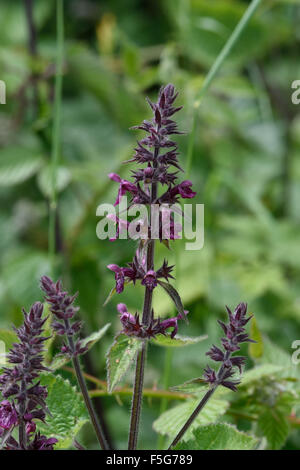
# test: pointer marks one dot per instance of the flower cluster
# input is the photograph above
(157, 154)
(133, 327)
(25, 397)
(62, 307)
(234, 335)
(137, 270)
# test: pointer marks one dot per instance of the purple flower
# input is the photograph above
(133, 327)
(42, 443)
(8, 415)
(150, 279)
(122, 274)
(125, 186)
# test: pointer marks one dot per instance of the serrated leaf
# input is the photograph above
(274, 427)
(17, 164)
(171, 421)
(220, 436)
(256, 350)
(191, 386)
(67, 409)
(172, 292)
(178, 341)
(120, 356)
(61, 359)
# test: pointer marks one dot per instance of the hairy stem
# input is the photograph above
(203, 401)
(137, 398)
(22, 431)
(141, 358)
(85, 394)
(193, 416)
(89, 405)
(56, 131)
(215, 69)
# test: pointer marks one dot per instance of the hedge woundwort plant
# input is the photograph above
(154, 184)
(24, 396)
(159, 154)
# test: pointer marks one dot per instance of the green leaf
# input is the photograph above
(192, 386)
(178, 341)
(8, 337)
(63, 177)
(256, 350)
(258, 373)
(17, 164)
(171, 421)
(274, 427)
(60, 360)
(68, 413)
(220, 436)
(174, 296)
(120, 356)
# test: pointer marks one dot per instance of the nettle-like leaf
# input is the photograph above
(61, 359)
(171, 421)
(177, 342)
(172, 292)
(68, 412)
(220, 436)
(18, 163)
(258, 373)
(120, 356)
(274, 426)
(193, 386)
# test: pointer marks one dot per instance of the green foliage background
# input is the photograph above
(245, 168)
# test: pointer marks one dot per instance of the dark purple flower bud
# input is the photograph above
(216, 354)
(210, 375)
(165, 271)
(30, 427)
(8, 415)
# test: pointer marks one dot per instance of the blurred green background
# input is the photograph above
(245, 169)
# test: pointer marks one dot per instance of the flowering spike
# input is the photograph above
(235, 334)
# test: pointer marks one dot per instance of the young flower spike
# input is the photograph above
(25, 398)
(235, 334)
(63, 309)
